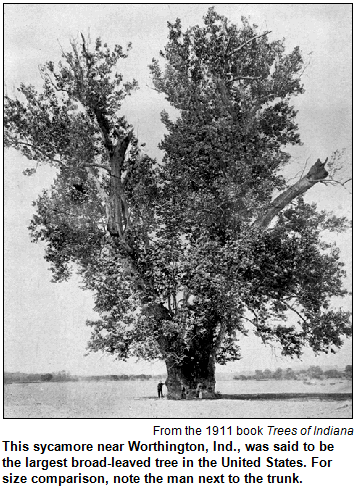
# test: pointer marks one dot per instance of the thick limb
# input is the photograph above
(317, 173)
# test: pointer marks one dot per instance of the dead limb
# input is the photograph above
(317, 173)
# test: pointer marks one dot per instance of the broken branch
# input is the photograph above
(317, 173)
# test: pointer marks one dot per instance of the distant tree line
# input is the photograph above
(313, 372)
(63, 376)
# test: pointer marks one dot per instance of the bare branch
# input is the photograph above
(62, 50)
(246, 78)
(335, 182)
(249, 320)
(292, 309)
(249, 41)
(306, 163)
(99, 165)
(152, 88)
(84, 47)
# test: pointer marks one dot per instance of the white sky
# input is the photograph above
(45, 327)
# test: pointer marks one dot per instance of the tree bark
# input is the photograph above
(118, 217)
(191, 379)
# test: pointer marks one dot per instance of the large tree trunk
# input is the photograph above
(193, 378)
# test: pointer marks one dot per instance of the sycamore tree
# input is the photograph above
(183, 255)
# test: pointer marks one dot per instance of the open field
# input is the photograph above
(136, 399)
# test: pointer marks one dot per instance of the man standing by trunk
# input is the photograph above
(160, 389)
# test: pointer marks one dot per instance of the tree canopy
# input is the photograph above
(183, 254)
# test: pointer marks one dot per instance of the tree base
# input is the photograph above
(192, 395)
(182, 384)
(176, 390)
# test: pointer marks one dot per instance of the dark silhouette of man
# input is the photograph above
(160, 389)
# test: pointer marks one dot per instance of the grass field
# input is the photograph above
(137, 399)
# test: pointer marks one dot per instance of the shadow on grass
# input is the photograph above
(267, 396)
(287, 396)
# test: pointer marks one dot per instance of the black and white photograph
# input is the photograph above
(177, 211)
